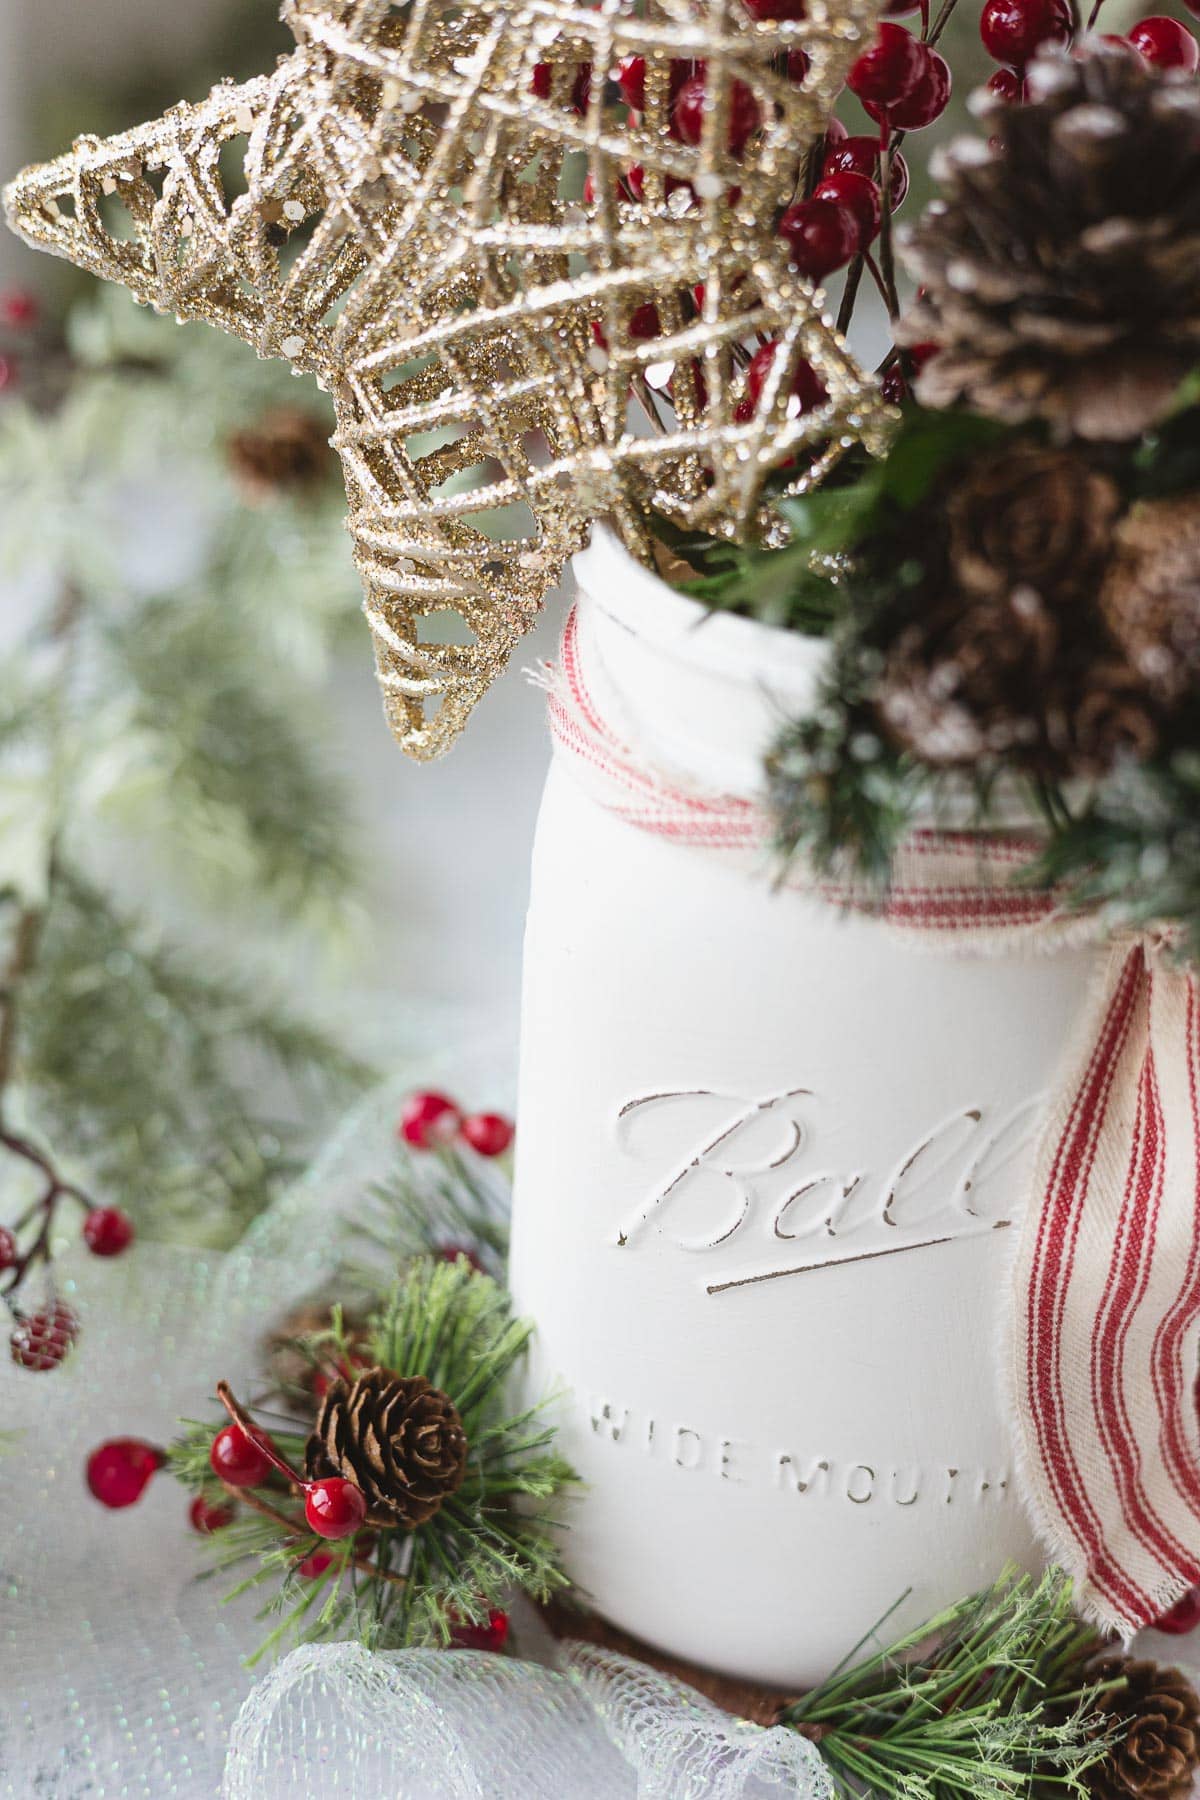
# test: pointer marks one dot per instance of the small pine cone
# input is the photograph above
(1151, 594)
(291, 1369)
(1059, 279)
(286, 452)
(1113, 720)
(397, 1438)
(1157, 1716)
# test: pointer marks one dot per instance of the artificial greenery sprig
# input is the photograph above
(991, 1698)
(491, 1534)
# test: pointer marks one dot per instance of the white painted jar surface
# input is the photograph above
(768, 1163)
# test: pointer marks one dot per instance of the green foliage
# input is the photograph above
(492, 1537)
(150, 1070)
(999, 1705)
(426, 1203)
(161, 758)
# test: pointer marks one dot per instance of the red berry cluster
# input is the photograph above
(432, 1121)
(1013, 31)
(40, 1341)
(242, 1456)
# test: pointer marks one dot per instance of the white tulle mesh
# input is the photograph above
(122, 1673)
(336, 1723)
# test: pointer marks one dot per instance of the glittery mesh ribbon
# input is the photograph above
(1104, 1309)
(452, 245)
(337, 1721)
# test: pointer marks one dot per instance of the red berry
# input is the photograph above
(928, 99)
(896, 9)
(334, 1507)
(687, 114)
(807, 386)
(542, 82)
(238, 1459)
(117, 1472)
(41, 1341)
(18, 307)
(889, 71)
(798, 65)
(429, 1120)
(775, 9)
(10, 371)
(1166, 44)
(314, 1564)
(893, 385)
(107, 1231)
(1008, 86)
(489, 1133)
(206, 1518)
(1183, 1617)
(861, 155)
(859, 195)
(9, 1251)
(491, 1636)
(1193, 7)
(1013, 29)
(820, 236)
(452, 1252)
(631, 79)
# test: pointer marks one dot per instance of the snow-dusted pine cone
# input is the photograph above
(1061, 267)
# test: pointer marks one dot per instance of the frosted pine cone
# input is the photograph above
(1061, 269)
(1157, 1715)
(1151, 594)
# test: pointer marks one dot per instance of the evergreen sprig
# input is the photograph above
(991, 1698)
(492, 1537)
(429, 1204)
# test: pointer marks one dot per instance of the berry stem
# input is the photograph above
(237, 1412)
(850, 294)
(246, 1497)
(1094, 14)
(887, 266)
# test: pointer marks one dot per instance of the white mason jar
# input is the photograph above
(769, 1160)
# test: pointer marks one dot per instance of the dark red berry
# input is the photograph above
(491, 1636)
(807, 386)
(18, 308)
(798, 64)
(489, 1133)
(541, 85)
(9, 1250)
(452, 1252)
(1012, 30)
(775, 9)
(334, 1507)
(820, 235)
(118, 1471)
(237, 1459)
(207, 1518)
(896, 9)
(687, 114)
(1166, 44)
(631, 79)
(314, 1564)
(1008, 86)
(1193, 6)
(861, 155)
(541, 80)
(859, 195)
(107, 1231)
(429, 1120)
(893, 385)
(889, 71)
(927, 100)
(41, 1341)
(1183, 1617)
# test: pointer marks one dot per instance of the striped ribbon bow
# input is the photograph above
(1104, 1310)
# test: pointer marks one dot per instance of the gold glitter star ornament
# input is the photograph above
(529, 301)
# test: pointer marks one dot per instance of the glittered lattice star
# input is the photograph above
(528, 301)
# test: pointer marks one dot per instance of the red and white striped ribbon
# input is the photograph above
(1105, 1304)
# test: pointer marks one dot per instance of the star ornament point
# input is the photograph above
(445, 215)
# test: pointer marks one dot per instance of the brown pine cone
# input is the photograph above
(1059, 278)
(286, 452)
(397, 1438)
(1151, 594)
(1157, 1716)
(1004, 635)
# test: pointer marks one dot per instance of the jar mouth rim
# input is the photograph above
(633, 596)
